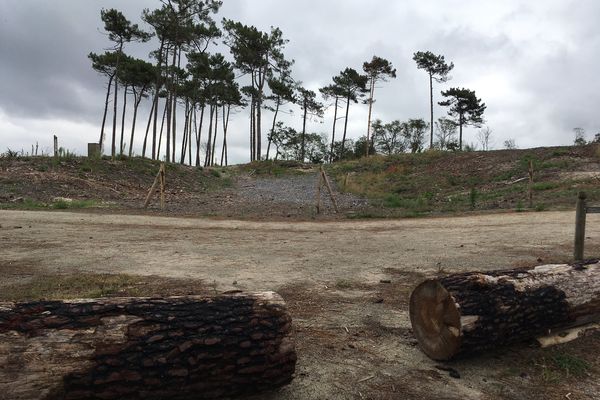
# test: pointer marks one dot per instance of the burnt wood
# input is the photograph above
(475, 311)
(146, 348)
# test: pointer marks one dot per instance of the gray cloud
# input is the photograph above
(532, 63)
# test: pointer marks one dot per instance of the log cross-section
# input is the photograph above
(146, 348)
(473, 311)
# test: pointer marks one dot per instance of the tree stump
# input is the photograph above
(146, 348)
(474, 311)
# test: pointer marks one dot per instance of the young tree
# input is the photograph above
(484, 137)
(389, 138)
(310, 108)
(464, 107)
(353, 86)
(378, 69)
(445, 133)
(438, 70)
(579, 136)
(360, 147)
(120, 31)
(415, 134)
(510, 144)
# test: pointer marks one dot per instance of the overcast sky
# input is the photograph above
(534, 63)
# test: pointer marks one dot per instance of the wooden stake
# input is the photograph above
(160, 179)
(326, 180)
(318, 193)
(530, 184)
(161, 172)
(580, 227)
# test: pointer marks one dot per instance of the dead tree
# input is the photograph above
(141, 348)
(474, 311)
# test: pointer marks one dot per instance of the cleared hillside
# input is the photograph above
(407, 185)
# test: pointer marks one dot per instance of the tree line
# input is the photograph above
(192, 92)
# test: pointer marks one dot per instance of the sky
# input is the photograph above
(533, 63)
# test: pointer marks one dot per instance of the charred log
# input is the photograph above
(142, 348)
(474, 311)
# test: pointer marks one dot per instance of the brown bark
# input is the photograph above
(475, 311)
(141, 348)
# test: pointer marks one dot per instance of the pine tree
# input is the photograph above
(464, 107)
(378, 69)
(438, 70)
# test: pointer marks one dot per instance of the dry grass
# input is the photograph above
(57, 287)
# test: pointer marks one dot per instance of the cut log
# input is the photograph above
(474, 311)
(145, 348)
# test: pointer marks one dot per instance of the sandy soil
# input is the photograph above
(353, 332)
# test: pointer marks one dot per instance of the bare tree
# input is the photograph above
(579, 136)
(484, 137)
(510, 144)
(445, 133)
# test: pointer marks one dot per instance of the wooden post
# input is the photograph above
(328, 185)
(55, 146)
(161, 173)
(159, 180)
(530, 183)
(580, 226)
(318, 193)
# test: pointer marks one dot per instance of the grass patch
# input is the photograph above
(57, 287)
(63, 204)
(545, 186)
(560, 365)
(343, 284)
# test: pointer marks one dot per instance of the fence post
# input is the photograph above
(580, 227)
(55, 146)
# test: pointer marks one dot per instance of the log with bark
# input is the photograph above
(474, 311)
(146, 348)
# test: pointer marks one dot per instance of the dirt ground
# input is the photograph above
(353, 332)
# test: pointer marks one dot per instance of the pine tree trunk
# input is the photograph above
(199, 136)
(209, 141)
(277, 104)
(475, 311)
(431, 104)
(162, 125)
(136, 104)
(214, 139)
(121, 144)
(345, 128)
(200, 347)
(372, 93)
(333, 132)
(184, 142)
(303, 132)
(225, 126)
(152, 110)
(101, 141)
(252, 131)
(156, 96)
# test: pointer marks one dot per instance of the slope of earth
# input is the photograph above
(346, 284)
(253, 191)
(437, 182)
(430, 183)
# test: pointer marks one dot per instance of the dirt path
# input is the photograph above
(353, 332)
